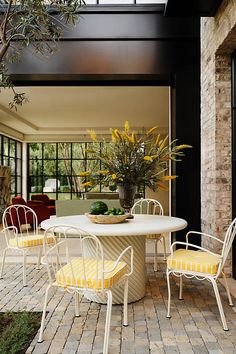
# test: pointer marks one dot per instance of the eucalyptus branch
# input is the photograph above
(17, 35)
(6, 18)
(3, 50)
(27, 22)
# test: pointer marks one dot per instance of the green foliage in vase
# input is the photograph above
(135, 157)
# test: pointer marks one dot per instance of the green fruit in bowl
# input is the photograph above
(115, 211)
(98, 207)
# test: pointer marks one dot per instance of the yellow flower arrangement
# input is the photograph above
(138, 158)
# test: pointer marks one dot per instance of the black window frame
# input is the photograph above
(7, 159)
(41, 177)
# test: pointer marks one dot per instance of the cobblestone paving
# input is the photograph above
(195, 325)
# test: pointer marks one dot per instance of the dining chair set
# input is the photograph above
(83, 274)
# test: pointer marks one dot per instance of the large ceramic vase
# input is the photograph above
(126, 195)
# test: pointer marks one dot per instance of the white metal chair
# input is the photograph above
(151, 206)
(201, 264)
(20, 226)
(83, 274)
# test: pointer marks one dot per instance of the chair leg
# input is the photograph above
(125, 310)
(3, 262)
(169, 293)
(227, 290)
(219, 303)
(44, 314)
(77, 304)
(155, 255)
(164, 247)
(39, 258)
(181, 287)
(108, 321)
(24, 268)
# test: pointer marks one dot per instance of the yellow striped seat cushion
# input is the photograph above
(196, 261)
(65, 277)
(30, 241)
(153, 237)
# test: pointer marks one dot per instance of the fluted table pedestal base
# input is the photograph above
(113, 246)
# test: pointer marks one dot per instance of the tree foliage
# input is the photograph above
(35, 23)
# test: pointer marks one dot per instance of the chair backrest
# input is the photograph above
(41, 197)
(22, 217)
(18, 200)
(57, 255)
(229, 237)
(147, 206)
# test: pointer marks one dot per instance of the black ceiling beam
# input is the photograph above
(198, 8)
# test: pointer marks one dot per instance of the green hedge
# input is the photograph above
(17, 330)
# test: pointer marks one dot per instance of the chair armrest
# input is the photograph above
(202, 234)
(129, 248)
(52, 202)
(7, 235)
(192, 245)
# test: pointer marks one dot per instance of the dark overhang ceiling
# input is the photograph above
(201, 8)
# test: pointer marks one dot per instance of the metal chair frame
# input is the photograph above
(54, 261)
(11, 232)
(151, 206)
(226, 245)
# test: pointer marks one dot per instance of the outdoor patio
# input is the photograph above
(195, 326)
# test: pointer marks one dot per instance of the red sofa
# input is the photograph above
(39, 208)
(49, 203)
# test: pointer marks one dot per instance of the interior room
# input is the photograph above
(79, 109)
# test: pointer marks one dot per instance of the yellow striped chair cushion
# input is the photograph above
(154, 237)
(65, 277)
(30, 241)
(196, 261)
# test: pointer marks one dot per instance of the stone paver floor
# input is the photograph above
(195, 325)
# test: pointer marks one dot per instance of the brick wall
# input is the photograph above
(218, 40)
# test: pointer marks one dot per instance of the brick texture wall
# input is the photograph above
(218, 40)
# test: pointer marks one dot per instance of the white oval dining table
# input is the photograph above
(116, 237)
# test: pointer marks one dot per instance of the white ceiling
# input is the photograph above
(73, 110)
